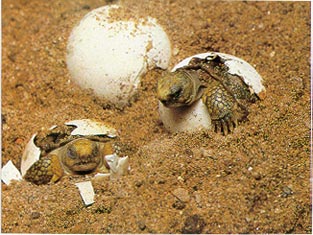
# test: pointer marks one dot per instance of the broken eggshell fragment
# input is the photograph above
(78, 146)
(87, 192)
(10, 173)
(195, 116)
(119, 166)
(30, 155)
(90, 127)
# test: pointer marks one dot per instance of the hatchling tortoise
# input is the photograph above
(225, 83)
(78, 147)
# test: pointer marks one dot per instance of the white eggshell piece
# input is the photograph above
(122, 167)
(54, 126)
(236, 66)
(111, 160)
(91, 127)
(187, 118)
(9, 173)
(109, 56)
(119, 166)
(30, 155)
(87, 192)
(100, 177)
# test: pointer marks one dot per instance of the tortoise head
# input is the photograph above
(179, 88)
(81, 155)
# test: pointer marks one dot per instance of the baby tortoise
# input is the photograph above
(80, 156)
(67, 149)
(208, 77)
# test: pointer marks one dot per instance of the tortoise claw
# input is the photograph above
(230, 124)
(225, 125)
(217, 126)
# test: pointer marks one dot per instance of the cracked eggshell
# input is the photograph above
(236, 66)
(84, 127)
(196, 116)
(9, 173)
(119, 166)
(188, 118)
(86, 192)
(30, 155)
(91, 127)
(110, 55)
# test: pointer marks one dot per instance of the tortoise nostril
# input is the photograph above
(165, 101)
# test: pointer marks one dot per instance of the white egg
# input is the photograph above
(110, 55)
(187, 118)
(192, 118)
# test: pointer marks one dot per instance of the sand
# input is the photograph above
(255, 180)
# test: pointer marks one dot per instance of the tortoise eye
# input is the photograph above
(176, 92)
(71, 153)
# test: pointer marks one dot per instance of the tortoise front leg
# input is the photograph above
(223, 108)
(45, 170)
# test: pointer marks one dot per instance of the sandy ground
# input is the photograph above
(256, 180)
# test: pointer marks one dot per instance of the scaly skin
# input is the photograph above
(224, 110)
(226, 96)
(80, 156)
(47, 169)
(179, 88)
